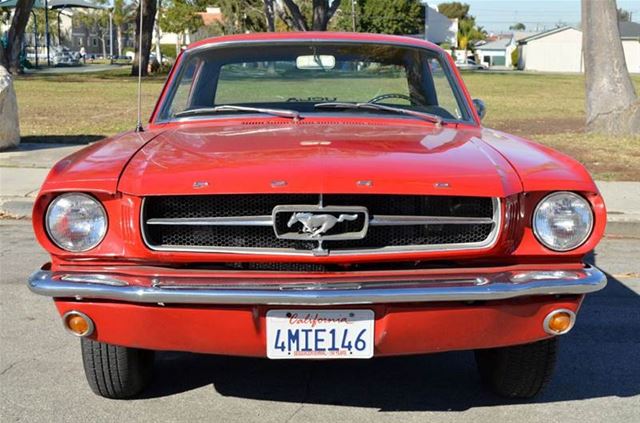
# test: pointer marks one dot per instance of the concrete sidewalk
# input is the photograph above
(23, 170)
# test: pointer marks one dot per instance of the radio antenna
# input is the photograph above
(139, 124)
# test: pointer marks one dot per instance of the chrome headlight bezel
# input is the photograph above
(581, 240)
(58, 241)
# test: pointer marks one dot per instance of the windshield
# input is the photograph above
(298, 77)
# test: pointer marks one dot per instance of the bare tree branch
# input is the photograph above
(298, 19)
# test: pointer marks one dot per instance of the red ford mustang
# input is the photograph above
(317, 196)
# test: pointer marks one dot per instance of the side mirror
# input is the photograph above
(481, 109)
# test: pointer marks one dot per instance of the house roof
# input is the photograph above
(545, 34)
(629, 30)
(499, 44)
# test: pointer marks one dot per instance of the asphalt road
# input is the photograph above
(41, 377)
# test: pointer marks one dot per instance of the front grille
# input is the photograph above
(248, 222)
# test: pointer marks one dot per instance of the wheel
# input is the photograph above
(116, 372)
(521, 371)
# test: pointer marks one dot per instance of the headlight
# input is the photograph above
(562, 221)
(76, 222)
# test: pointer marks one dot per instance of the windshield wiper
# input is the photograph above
(292, 114)
(379, 107)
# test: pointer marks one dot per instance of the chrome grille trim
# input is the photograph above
(382, 220)
(496, 221)
(379, 220)
(215, 221)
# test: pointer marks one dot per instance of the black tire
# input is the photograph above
(521, 371)
(116, 372)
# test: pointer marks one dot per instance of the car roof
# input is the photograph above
(317, 36)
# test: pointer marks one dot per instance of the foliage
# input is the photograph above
(392, 17)
(343, 18)
(518, 27)
(239, 16)
(468, 31)
(123, 12)
(515, 57)
(95, 21)
(168, 50)
(454, 10)
(41, 26)
(624, 15)
(304, 15)
(180, 16)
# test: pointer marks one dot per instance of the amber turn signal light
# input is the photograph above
(559, 322)
(78, 323)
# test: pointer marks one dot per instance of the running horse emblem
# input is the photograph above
(317, 224)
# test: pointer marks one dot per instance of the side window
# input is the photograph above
(446, 97)
(182, 97)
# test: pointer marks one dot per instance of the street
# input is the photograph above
(41, 377)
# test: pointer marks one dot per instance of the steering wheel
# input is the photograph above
(381, 97)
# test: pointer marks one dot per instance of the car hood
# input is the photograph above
(319, 157)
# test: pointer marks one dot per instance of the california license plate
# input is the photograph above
(320, 334)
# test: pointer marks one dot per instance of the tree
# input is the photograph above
(95, 21)
(321, 13)
(123, 15)
(240, 16)
(454, 10)
(611, 101)
(142, 51)
(10, 52)
(518, 27)
(179, 17)
(468, 31)
(270, 14)
(624, 15)
(392, 17)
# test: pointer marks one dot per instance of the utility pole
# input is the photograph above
(111, 33)
(353, 15)
(426, 20)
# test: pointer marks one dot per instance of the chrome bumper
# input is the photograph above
(480, 287)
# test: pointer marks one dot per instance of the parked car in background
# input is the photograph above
(470, 64)
(318, 196)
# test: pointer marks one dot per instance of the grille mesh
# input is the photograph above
(264, 236)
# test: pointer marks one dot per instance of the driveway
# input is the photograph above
(41, 378)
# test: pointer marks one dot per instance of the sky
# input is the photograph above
(498, 15)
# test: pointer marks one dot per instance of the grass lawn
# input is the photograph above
(546, 108)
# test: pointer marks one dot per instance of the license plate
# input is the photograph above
(320, 334)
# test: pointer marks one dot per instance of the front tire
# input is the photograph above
(116, 372)
(520, 371)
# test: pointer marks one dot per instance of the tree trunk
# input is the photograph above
(297, 18)
(322, 13)
(16, 32)
(611, 101)
(270, 15)
(158, 32)
(103, 38)
(142, 52)
(119, 36)
(9, 122)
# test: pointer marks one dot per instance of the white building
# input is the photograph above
(441, 29)
(497, 54)
(560, 50)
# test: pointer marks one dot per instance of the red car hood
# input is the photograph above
(322, 157)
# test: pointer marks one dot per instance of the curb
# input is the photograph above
(618, 224)
(16, 208)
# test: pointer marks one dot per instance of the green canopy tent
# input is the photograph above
(59, 5)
